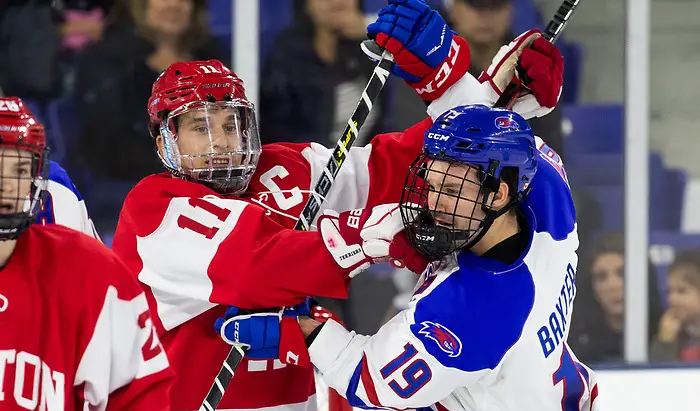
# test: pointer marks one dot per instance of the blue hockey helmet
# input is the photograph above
(497, 145)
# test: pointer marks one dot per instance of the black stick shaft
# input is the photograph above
(342, 147)
(313, 205)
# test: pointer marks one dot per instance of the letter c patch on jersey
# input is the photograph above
(445, 339)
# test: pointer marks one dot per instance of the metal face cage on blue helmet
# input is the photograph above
(468, 151)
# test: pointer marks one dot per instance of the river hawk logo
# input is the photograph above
(445, 339)
(507, 123)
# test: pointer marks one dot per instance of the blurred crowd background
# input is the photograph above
(86, 69)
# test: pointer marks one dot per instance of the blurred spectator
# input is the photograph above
(678, 337)
(598, 319)
(486, 25)
(83, 22)
(114, 83)
(314, 75)
(29, 46)
(33, 36)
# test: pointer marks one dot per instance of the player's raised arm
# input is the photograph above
(433, 61)
(430, 58)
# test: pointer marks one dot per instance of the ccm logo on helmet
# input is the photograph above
(438, 137)
(506, 123)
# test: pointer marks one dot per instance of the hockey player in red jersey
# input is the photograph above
(217, 228)
(75, 327)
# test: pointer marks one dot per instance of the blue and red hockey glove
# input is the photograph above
(272, 335)
(429, 56)
(267, 335)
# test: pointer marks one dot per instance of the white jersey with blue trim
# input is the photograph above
(63, 204)
(478, 334)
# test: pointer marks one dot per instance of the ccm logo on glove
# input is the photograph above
(442, 74)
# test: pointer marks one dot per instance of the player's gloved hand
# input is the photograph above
(542, 62)
(364, 236)
(267, 335)
(322, 315)
(428, 55)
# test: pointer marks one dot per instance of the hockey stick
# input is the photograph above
(551, 33)
(313, 205)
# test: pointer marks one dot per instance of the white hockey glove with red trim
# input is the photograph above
(542, 62)
(358, 238)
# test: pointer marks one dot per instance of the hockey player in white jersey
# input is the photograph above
(486, 327)
(62, 203)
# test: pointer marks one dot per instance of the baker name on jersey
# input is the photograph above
(552, 333)
(36, 386)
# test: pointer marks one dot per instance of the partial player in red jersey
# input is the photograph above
(76, 332)
(217, 228)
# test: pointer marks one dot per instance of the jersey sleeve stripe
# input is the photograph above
(351, 393)
(368, 384)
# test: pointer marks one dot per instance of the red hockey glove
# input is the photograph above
(544, 66)
(361, 237)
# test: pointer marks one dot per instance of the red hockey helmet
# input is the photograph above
(23, 157)
(204, 126)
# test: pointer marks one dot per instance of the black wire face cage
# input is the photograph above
(445, 206)
(22, 187)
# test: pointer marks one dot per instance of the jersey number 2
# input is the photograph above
(187, 223)
(416, 374)
(571, 374)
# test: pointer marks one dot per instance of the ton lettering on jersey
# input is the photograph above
(36, 386)
(552, 333)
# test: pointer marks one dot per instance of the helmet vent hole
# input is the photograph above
(445, 123)
(468, 146)
(473, 129)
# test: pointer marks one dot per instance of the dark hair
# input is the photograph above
(587, 307)
(196, 35)
(509, 175)
(688, 258)
(302, 21)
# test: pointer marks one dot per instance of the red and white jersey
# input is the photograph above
(194, 249)
(76, 332)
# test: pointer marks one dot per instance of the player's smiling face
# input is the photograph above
(209, 131)
(208, 136)
(16, 166)
(454, 192)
